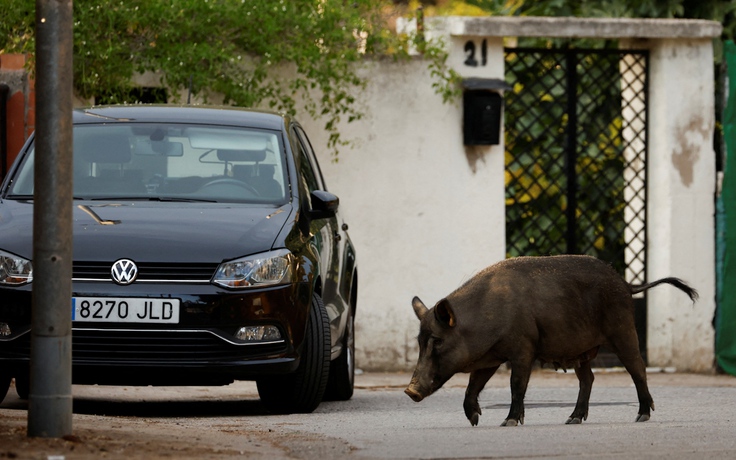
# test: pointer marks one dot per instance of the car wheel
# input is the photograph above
(342, 370)
(23, 384)
(302, 391)
(5, 378)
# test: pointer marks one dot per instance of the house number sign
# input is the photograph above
(472, 55)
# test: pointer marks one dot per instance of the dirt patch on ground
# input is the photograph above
(113, 438)
(136, 431)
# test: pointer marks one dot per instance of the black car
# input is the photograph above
(207, 249)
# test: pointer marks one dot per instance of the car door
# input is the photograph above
(325, 232)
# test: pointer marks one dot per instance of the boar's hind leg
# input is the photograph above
(630, 357)
(520, 371)
(585, 377)
(478, 380)
(638, 372)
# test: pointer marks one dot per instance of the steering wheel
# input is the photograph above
(235, 182)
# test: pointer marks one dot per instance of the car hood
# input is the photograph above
(154, 232)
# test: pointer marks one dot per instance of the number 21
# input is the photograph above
(470, 53)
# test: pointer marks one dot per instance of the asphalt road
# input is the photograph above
(695, 417)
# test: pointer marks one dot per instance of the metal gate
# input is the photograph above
(576, 151)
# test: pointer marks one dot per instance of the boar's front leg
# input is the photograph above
(478, 380)
(585, 377)
(521, 369)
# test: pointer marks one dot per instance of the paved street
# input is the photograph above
(695, 417)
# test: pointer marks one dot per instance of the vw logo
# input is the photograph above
(124, 271)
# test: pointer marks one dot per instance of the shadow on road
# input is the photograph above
(167, 409)
(560, 404)
(156, 409)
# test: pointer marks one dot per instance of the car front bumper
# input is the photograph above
(202, 348)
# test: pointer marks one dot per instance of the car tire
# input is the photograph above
(341, 383)
(302, 391)
(23, 384)
(5, 379)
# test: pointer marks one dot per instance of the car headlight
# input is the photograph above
(14, 270)
(269, 268)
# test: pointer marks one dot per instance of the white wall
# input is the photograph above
(423, 216)
(681, 190)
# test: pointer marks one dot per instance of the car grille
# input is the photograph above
(183, 272)
(140, 346)
(111, 345)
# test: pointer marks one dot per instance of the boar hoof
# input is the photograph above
(472, 411)
(509, 422)
(413, 394)
(573, 421)
(642, 418)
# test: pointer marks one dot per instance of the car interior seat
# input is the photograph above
(265, 183)
(109, 152)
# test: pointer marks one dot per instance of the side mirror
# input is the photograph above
(324, 204)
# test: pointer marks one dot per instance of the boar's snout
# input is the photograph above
(413, 393)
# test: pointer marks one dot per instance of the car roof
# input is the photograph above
(142, 113)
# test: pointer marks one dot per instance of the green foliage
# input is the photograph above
(16, 26)
(286, 55)
(446, 80)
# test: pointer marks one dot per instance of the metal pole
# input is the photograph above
(571, 151)
(50, 399)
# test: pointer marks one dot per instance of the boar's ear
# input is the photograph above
(419, 308)
(444, 314)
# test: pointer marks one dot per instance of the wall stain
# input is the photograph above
(476, 153)
(687, 149)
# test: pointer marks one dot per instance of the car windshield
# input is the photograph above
(154, 161)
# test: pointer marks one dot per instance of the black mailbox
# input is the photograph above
(482, 108)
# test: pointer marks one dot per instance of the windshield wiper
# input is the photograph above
(181, 200)
(125, 198)
(30, 197)
(153, 198)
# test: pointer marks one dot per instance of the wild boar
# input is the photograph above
(557, 309)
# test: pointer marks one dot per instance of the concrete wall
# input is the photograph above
(681, 187)
(426, 213)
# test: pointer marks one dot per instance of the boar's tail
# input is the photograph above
(676, 282)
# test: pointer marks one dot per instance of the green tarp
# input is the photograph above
(726, 229)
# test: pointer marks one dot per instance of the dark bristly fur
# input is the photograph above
(558, 310)
(677, 282)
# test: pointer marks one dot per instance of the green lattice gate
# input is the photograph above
(576, 151)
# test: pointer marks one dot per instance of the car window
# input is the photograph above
(306, 170)
(312, 159)
(173, 161)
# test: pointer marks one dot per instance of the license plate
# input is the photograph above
(125, 310)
